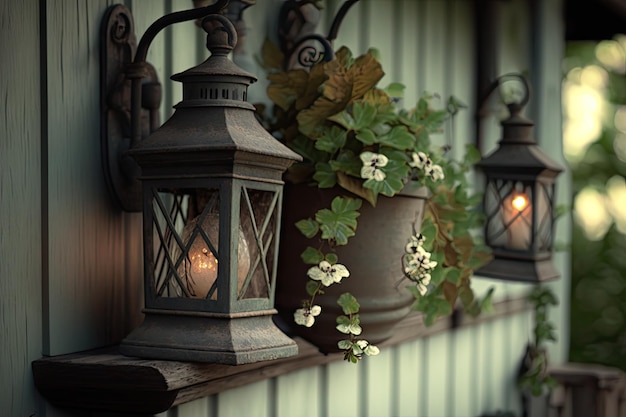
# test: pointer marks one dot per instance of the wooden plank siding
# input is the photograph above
(95, 254)
(20, 199)
(71, 262)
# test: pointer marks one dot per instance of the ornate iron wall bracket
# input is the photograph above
(130, 95)
(118, 46)
(298, 42)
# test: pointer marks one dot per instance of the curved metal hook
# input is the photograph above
(334, 28)
(136, 72)
(292, 43)
(498, 82)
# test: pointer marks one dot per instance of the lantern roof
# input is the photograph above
(518, 151)
(214, 129)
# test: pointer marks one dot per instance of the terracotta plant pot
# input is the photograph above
(373, 258)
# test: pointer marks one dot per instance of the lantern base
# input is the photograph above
(230, 341)
(520, 270)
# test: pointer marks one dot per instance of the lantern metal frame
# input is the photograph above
(212, 145)
(521, 238)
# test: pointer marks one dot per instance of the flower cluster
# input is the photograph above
(417, 263)
(421, 161)
(350, 324)
(373, 162)
(357, 349)
(326, 275)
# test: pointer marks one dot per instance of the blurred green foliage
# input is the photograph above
(598, 302)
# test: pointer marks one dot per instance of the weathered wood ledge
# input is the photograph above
(105, 380)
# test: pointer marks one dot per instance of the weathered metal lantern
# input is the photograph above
(212, 190)
(519, 203)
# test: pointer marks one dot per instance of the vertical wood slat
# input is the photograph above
(20, 199)
(181, 52)
(343, 395)
(145, 12)
(303, 381)
(376, 392)
(94, 264)
(408, 373)
(437, 371)
(254, 399)
(464, 379)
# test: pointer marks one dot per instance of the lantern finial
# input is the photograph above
(221, 34)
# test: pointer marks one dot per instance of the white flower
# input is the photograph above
(435, 172)
(367, 348)
(372, 162)
(420, 160)
(417, 267)
(419, 262)
(415, 243)
(306, 316)
(422, 284)
(328, 273)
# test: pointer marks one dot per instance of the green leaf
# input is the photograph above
(453, 275)
(348, 303)
(313, 287)
(308, 227)
(324, 175)
(312, 256)
(367, 137)
(347, 206)
(348, 163)
(332, 140)
(364, 114)
(486, 304)
(472, 154)
(399, 138)
(348, 325)
(331, 258)
(306, 148)
(344, 119)
(344, 344)
(339, 223)
(395, 90)
(454, 105)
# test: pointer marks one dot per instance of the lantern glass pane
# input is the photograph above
(185, 230)
(509, 205)
(258, 221)
(545, 219)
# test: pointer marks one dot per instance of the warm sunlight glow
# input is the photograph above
(583, 108)
(619, 146)
(611, 54)
(591, 213)
(616, 193)
(594, 76)
(519, 202)
(620, 119)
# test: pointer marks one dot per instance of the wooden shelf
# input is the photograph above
(105, 380)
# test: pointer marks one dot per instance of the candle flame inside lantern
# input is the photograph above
(519, 202)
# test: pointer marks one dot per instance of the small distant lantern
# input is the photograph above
(519, 203)
(212, 190)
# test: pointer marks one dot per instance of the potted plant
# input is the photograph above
(364, 156)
